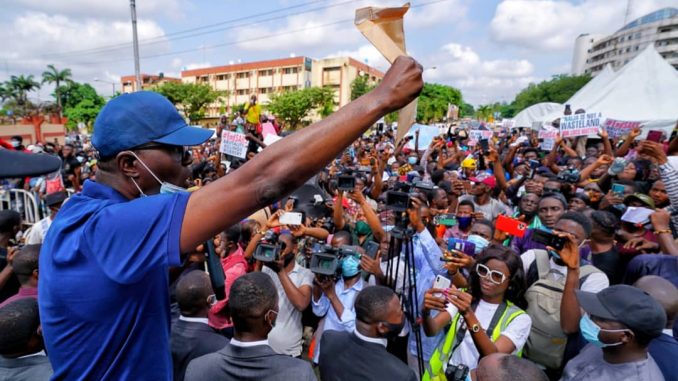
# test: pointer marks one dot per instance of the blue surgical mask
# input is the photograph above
(480, 242)
(464, 222)
(412, 160)
(591, 330)
(165, 187)
(350, 266)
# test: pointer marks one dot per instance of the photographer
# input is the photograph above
(294, 284)
(362, 231)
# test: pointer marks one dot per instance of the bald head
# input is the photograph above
(192, 292)
(504, 367)
(664, 292)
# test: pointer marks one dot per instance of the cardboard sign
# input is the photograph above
(549, 139)
(618, 128)
(234, 144)
(580, 124)
(478, 135)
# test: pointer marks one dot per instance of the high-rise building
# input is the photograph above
(581, 48)
(264, 78)
(659, 28)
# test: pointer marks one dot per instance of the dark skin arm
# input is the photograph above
(624, 149)
(570, 313)
(8, 270)
(338, 211)
(281, 168)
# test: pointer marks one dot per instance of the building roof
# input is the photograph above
(661, 14)
(132, 78)
(293, 61)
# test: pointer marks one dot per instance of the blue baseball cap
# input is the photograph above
(131, 120)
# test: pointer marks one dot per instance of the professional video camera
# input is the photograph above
(269, 248)
(326, 260)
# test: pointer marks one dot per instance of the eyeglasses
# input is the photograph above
(496, 277)
(179, 153)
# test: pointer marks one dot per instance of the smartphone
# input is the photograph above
(466, 247)
(654, 136)
(445, 220)
(292, 218)
(511, 226)
(484, 145)
(346, 183)
(618, 189)
(441, 283)
(371, 249)
(548, 239)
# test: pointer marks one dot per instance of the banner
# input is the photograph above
(234, 144)
(618, 128)
(580, 124)
(508, 123)
(548, 138)
(478, 135)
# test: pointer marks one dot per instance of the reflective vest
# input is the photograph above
(435, 369)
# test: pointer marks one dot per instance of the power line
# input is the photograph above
(180, 35)
(234, 42)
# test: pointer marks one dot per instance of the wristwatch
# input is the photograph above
(475, 328)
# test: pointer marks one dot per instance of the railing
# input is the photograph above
(21, 201)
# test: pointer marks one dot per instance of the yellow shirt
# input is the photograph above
(253, 113)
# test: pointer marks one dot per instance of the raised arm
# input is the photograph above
(281, 168)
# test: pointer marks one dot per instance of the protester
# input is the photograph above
(254, 308)
(361, 354)
(503, 367)
(191, 336)
(10, 225)
(22, 352)
(37, 233)
(619, 324)
(25, 268)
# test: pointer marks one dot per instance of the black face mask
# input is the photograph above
(393, 329)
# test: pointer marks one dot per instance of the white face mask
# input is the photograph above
(165, 187)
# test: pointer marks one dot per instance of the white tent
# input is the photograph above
(645, 90)
(590, 90)
(537, 113)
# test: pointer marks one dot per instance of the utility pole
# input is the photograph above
(137, 71)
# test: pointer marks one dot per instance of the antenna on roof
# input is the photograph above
(629, 10)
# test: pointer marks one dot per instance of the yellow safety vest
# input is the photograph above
(435, 367)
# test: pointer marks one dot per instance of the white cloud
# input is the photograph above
(447, 12)
(480, 81)
(554, 25)
(102, 8)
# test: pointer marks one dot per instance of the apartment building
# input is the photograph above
(128, 82)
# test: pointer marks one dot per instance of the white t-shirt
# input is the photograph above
(286, 336)
(38, 231)
(517, 331)
(593, 283)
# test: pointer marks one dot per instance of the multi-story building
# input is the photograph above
(581, 48)
(659, 28)
(263, 78)
(129, 85)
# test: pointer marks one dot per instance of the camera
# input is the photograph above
(346, 183)
(398, 201)
(326, 260)
(424, 186)
(269, 248)
(456, 372)
(570, 175)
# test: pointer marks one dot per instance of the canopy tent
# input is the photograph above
(590, 91)
(537, 113)
(645, 90)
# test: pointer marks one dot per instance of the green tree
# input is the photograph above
(80, 103)
(52, 75)
(189, 98)
(361, 85)
(466, 109)
(483, 112)
(294, 107)
(86, 112)
(433, 102)
(19, 87)
(558, 89)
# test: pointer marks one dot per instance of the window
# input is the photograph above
(241, 75)
(636, 48)
(290, 70)
(628, 49)
(241, 92)
(265, 72)
(265, 90)
(223, 77)
(637, 35)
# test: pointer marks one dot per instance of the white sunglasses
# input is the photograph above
(496, 277)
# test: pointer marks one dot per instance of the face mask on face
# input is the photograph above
(165, 187)
(350, 266)
(412, 160)
(480, 242)
(591, 330)
(464, 222)
(393, 329)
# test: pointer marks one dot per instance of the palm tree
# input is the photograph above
(21, 86)
(56, 76)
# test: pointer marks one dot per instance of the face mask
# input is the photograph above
(480, 242)
(362, 228)
(350, 266)
(464, 222)
(15, 143)
(388, 228)
(412, 160)
(165, 187)
(591, 330)
(393, 329)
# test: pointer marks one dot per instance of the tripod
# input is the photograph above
(401, 247)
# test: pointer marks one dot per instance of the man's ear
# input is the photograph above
(127, 164)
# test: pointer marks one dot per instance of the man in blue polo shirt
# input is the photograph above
(103, 291)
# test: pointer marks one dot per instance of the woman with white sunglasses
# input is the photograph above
(485, 319)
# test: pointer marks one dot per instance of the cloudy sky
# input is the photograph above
(489, 48)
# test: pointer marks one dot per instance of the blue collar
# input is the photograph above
(96, 190)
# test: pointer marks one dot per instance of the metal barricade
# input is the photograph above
(21, 201)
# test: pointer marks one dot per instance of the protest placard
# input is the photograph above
(548, 139)
(508, 123)
(618, 128)
(478, 135)
(234, 144)
(580, 124)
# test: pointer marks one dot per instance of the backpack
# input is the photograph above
(547, 341)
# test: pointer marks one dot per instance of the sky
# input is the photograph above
(490, 49)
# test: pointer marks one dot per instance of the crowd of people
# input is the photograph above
(457, 260)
